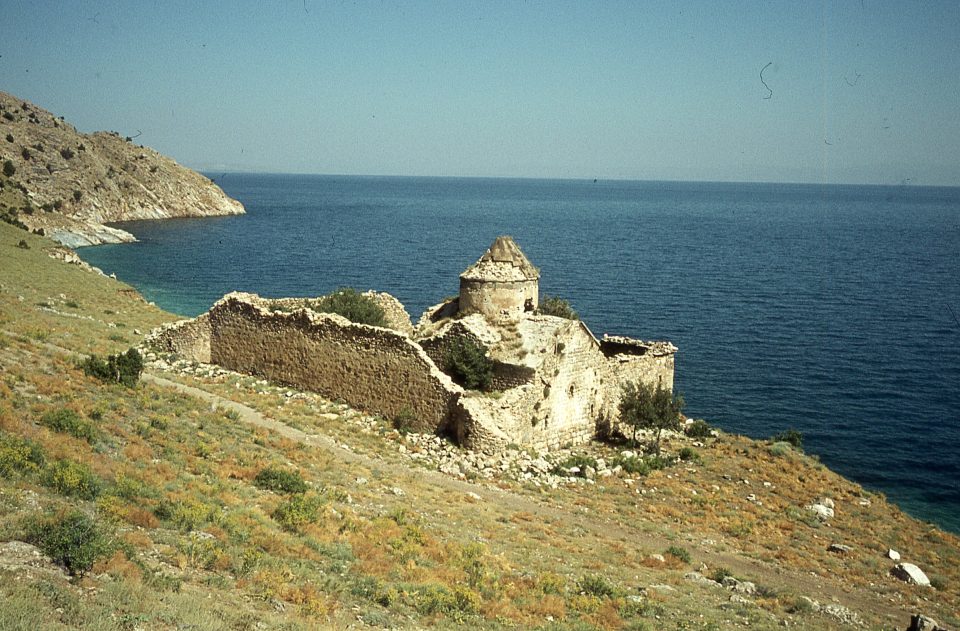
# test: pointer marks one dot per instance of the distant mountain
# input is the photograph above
(72, 183)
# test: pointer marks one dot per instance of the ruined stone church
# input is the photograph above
(554, 383)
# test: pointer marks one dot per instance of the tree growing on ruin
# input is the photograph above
(467, 363)
(557, 306)
(648, 406)
(352, 305)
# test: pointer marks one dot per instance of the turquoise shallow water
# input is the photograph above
(824, 308)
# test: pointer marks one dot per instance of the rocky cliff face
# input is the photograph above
(74, 183)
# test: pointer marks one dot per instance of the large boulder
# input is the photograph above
(910, 573)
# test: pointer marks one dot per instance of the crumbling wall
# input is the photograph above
(634, 361)
(371, 368)
(189, 339)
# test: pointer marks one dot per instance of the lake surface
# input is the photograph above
(829, 309)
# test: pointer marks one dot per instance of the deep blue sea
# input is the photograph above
(822, 308)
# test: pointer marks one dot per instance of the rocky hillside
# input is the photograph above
(74, 183)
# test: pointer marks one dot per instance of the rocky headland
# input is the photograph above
(71, 184)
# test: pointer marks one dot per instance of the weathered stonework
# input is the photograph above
(555, 383)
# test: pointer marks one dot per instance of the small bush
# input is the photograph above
(800, 605)
(679, 553)
(596, 585)
(77, 195)
(298, 511)
(938, 583)
(72, 540)
(780, 449)
(280, 480)
(632, 464)
(8, 168)
(18, 456)
(456, 600)
(66, 153)
(698, 429)
(556, 306)
(25, 154)
(689, 454)
(791, 436)
(353, 306)
(9, 137)
(720, 573)
(23, 245)
(577, 460)
(404, 420)
(67, 421)
(124, 368)
(467, 363)
(73, 479)
(187, 514)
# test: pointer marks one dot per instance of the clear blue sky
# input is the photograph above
(862, 91)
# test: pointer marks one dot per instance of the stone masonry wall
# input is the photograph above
(496, 298)
(190, 339)
(371, 368)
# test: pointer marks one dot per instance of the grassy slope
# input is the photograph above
(197, 545)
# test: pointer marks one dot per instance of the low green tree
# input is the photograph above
(467, 362)
(8, 168)
(352, 305)
(645, 406)
(557, 306)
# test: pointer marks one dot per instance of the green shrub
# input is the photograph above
(124, 368)
(298, 511)
(353, 306)
(74, 479)
(18, 456)
(9, 169)
(72, 540)
(456, 600)
(66, 153)
(9, 137)
(556, 306)
(403, 422)
(689, 454)
(791, 436)
(576, 460)
(467, 363)
(631, 464)
(698, 429)
(720, 573)
(186, 514)
(67, 421)
(280, 480)
(596, 585)
(780, 448)
(23, 245)
(679, 553)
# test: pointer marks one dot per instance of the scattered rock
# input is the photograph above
(842, 614)
(23, 558)
(663, 589)
(919, 622)
(910, 573)
(700, 579)
(658, 558)
(839, 548)
(893, 555)
(741, 587)
(822, 511)
(473, 496)
(398, 491)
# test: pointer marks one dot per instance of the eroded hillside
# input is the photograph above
(74, 183)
